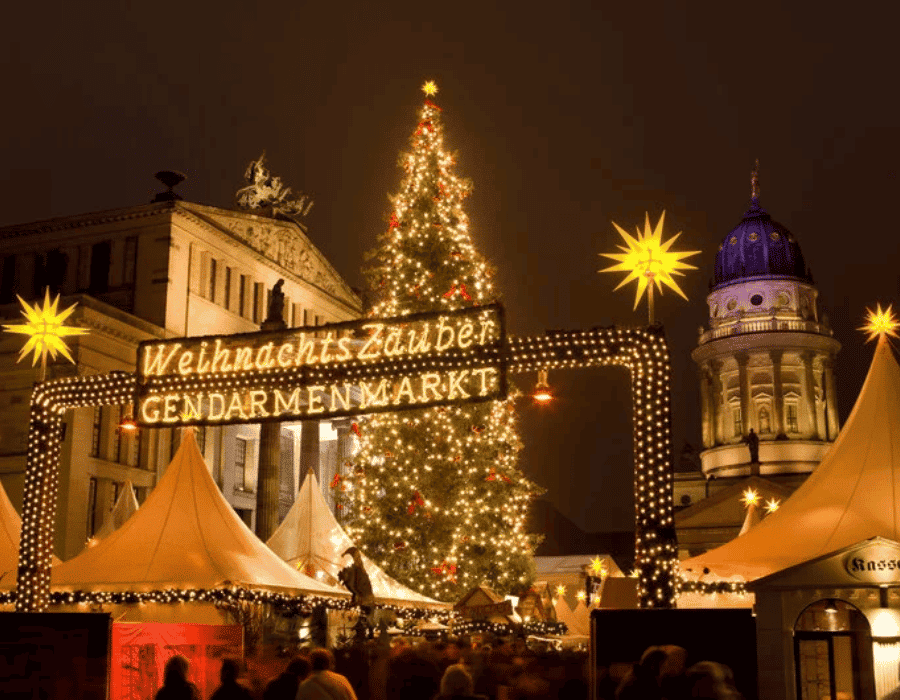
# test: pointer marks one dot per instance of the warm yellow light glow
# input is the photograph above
(750, 498)
(560, 590)
(650, 261)
(581, 595)
(598, 568)
(772, 505)
(45, 330)
(880, 323)
(542, 392)
(430, 88)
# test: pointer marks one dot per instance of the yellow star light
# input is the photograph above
(650, 261)
(598, 568)
(581, 595)
(772, 505)
(750, 498)
(430, 88)
(880, 323)
(46, 330)
(560, 590)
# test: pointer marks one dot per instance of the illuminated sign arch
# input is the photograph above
(486, 360)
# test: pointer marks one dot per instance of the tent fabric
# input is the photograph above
(310, 539)
(126, 505)
(186, 535)
(10, 527)
(851, 496)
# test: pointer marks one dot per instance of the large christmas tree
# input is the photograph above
(434, 494)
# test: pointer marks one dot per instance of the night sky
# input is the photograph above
(566, 117)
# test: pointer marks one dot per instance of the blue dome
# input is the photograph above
(759, 247)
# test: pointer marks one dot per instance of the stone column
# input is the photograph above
(717, 399)
(268, 481)
(342, 428)
(777, 391)
(706, 399)
(831, 411)
(809, 396)
(748, 417)
(309, 450)
(268, 477)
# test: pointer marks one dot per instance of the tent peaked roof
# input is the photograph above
(126, 505)
(186, 535)
(310, 539)
(10, 527)
(851, 496)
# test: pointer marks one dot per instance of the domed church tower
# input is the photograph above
(766, 361)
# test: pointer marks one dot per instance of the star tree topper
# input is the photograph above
(879, 323)
(45, 330)
(650, 261)
(430, 88)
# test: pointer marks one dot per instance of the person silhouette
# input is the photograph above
(752, 441)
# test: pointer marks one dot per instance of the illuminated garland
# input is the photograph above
(712, 587)
(286, 605)
(541, 628)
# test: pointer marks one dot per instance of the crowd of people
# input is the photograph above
(422, 670)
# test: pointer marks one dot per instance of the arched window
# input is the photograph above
(765, 423)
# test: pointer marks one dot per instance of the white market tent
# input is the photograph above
(311, 540)
(10, 527)
(851, 496)
(185, 536)
(126, 505)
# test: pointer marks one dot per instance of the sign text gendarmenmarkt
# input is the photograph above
(324, 371)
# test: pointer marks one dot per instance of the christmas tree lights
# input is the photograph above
(436, 498)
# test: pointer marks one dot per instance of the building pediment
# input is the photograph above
(283, 242)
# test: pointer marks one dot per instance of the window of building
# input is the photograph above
(39, 275)
(738, 420)
(174, 442)
(96, 426)
(793, 425)
(765, 424)
(91, 507)
(8, 281)
(200, 436)
(100, 259)
(241, 464)
(130, 262)
(242, 296)
(118, 446)
(259, 295)
(227, 300)
(213, 265)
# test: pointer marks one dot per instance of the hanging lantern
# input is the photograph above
(542, 392)
(128, 424)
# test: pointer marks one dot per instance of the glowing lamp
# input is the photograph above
(581, 595)
(128, 423)
(750, 498)
(772, 505)
(542, 392)
(560, 590)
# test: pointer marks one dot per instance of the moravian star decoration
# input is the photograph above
(880, 323)
(650, 261)
(45, 330)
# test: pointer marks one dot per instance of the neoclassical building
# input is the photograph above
(766, 364)
(166, 269)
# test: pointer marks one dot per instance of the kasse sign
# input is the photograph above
(326, 371)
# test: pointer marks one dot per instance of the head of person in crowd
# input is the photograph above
(321, 660)
(176, 670)
(456, 681)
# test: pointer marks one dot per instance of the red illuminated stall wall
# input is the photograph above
(140, 651)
